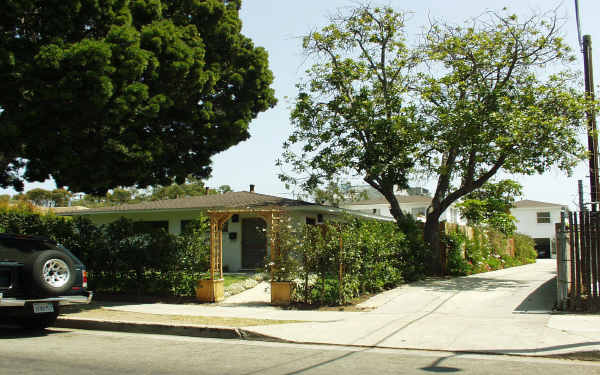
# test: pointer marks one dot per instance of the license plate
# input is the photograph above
(39, 308)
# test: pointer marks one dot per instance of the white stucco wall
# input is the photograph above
(527, 224)
(527, 221)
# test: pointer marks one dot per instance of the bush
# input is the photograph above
(457, 264)
(486, 251)
(525, 249)
(337, 262)
(118, 259)
(284, 262)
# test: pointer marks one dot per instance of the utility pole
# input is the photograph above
(591, 119)
(586, 49)
(580, 191)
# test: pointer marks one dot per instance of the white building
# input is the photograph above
(538, 220)
(416, 205)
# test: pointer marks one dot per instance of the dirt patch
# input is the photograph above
(352, 305)
(99, 313)
(579, 356)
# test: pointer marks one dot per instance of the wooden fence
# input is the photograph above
(578, 260)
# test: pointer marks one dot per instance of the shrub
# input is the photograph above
(118, 259)
(525, 248)
(284, 262)
(341, 260)
(457, 264)
(486, 251)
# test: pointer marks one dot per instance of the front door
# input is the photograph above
(254, 243)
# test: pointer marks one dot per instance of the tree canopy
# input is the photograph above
(469, 101)
(490, 205)
(46, 198)
(351, 116)
(121, 93)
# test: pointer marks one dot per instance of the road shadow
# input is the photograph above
(541, 300)
(9, 330)
(470, 283)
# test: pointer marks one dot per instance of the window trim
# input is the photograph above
(543, 217)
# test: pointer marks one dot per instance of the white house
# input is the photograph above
(416, 205)
(538, 220)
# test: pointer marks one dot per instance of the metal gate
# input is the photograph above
(578, 260)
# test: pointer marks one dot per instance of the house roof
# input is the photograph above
(241, 199)
(401, 199)
(526, 203)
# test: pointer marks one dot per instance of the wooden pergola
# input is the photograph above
(212, 289)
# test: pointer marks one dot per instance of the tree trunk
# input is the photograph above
(433, 240)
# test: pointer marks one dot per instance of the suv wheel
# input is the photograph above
(51, 273)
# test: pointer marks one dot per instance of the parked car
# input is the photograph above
(37, 276)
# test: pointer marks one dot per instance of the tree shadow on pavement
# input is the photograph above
(471, 283)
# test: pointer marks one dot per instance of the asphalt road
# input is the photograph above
(62, 351)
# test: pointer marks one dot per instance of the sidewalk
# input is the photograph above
(507, 311)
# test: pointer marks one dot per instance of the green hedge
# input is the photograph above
(118, 259)
(486, 252)
(334, 263)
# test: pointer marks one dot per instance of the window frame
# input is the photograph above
(543, 217)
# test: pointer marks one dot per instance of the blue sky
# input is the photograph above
(277, 25)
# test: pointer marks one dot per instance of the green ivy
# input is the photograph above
(486, 251)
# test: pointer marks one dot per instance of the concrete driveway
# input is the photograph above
(506, 311)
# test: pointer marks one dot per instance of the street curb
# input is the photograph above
(245, 334)
(162, 329)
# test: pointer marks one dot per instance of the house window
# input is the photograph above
(186, 226)
(418, 211)
(311, 221)
(375, 211)
(150, 226)
(543, 217)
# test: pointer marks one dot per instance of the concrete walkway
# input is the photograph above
(507, 311)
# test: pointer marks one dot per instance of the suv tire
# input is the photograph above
(52, 273)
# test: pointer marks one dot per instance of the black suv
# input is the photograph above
(37, 276)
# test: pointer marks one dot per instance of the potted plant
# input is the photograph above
(284, 263)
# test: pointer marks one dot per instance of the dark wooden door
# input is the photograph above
(254, 243)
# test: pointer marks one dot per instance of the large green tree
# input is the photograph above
(351, 116)
(478, 102)
(499, 97)
(124, 92)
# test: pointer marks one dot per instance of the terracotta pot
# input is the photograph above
(281, 292)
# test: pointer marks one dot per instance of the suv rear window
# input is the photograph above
(26, 245)
(19, 249)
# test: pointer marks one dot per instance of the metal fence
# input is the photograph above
(578, 260)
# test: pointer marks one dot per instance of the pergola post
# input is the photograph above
(212, 290)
